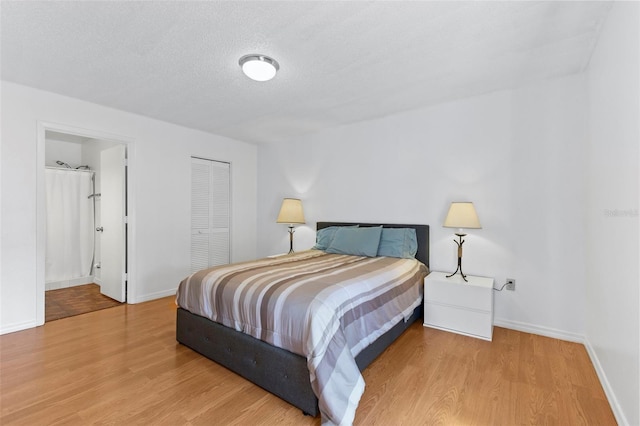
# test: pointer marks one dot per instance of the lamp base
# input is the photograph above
(291, 231)
(459, 268)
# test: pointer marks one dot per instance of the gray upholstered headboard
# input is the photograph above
(422, 234)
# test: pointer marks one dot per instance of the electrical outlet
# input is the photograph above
(511, 284)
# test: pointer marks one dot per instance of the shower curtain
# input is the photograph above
(70, 227)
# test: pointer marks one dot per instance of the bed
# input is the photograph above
(283, 372)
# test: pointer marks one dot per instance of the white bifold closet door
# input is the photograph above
(209, 213)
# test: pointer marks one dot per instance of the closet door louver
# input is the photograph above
(209, 213)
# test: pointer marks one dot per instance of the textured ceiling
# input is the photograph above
(340, 62)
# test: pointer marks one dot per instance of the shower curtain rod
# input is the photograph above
(69, 170)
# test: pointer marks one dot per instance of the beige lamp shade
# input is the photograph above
(291, 211)
(462, 215)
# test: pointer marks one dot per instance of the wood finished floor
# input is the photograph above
(124, 366)
(76, 300)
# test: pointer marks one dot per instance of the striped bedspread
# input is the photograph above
(325, 307)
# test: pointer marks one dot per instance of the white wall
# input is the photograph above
(612, 226)
(518, 155)
(160, 173)
(57, 150)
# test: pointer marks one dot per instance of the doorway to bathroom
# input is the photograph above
(85, 215)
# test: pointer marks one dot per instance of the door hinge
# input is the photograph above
(126, 219)
(125, 276)
(126, 162)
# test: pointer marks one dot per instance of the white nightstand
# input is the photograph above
(451, 304)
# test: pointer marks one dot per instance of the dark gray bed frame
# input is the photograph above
(279, 371)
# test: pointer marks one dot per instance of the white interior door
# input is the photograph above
(112, 212)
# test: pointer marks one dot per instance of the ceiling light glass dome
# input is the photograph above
(259, 67)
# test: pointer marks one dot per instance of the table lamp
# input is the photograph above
(291, 213)
(461, 215)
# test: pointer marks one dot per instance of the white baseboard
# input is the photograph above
(613, 401)
(540, 330)
(12, 328)
(152, 296)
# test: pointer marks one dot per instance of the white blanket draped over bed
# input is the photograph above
(325, 307)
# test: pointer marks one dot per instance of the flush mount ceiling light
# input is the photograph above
(259, 67)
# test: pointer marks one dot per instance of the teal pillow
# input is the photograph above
(356, 241)
(398, 242)
(324, 236)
